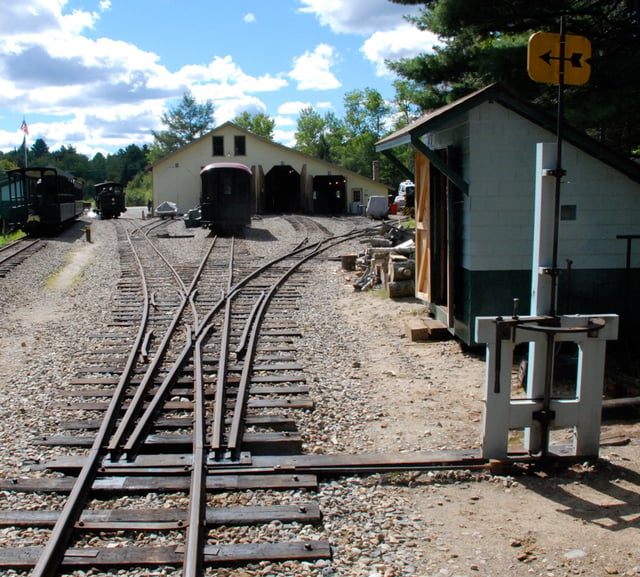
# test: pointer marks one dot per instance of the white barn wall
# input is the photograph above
(177, 177)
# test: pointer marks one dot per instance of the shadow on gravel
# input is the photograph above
(603, 494)
(71, 233)
(258, 234)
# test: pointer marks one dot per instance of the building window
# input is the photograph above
(218, 146)
(239, 146)
(357, 194)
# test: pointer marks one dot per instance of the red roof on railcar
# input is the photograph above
(215, 165)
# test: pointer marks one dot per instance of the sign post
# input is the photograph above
(558, 59)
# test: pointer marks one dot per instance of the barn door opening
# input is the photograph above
(434, 283)
(282, 189)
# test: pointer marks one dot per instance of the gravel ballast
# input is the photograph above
(373, 390)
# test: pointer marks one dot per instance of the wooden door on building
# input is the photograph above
(433, 272)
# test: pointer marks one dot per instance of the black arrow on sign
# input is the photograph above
(576, 58)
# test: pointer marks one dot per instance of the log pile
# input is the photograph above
(387, 262)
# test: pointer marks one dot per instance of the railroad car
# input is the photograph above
(110, 199)
(11, 208)
(45, 198)
(225, 202)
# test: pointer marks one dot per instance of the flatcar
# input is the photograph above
(110, 199)
(44, 199)
(225, 202)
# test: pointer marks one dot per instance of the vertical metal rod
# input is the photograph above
(558, 172)
(545, 416)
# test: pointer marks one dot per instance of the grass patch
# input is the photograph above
(6, 239)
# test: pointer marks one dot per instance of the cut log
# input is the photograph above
(405, 288)
(349, 261)
(401, 270)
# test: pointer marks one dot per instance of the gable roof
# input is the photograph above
(432, 121)
(330, 166)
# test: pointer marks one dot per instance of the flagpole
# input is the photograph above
(25, 129)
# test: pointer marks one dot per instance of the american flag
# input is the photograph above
(24, 127)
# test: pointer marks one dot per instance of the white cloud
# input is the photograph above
(285, 137)
(96, 92)
(390, 36)
(403, 42)
(103, 92)
(312, 70)
(358, 16)
(292, 107)
(284, 121)
(226, 72)
(226, 110)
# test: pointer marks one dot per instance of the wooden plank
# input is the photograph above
(167, 519)
(27, 557)
(245, 553)
(425, 329)
(273, 443)
(275, 422)
(188, 406)
(373, 461)
(186, 392)
(159, 483)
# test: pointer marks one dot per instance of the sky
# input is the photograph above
(99, 74)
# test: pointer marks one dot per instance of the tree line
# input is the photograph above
(348, 142)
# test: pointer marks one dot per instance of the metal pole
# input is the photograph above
(558, 173)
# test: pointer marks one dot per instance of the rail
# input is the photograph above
(121, 443)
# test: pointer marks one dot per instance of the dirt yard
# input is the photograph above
(578, 520)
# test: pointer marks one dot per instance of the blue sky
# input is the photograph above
(99, 74)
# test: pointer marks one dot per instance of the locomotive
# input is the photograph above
(225, 202)
(109, 199)
(44, 198)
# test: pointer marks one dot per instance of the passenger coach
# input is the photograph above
(46, 198)
(225, 201)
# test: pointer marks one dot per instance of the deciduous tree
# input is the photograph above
(186, 122)
(259, 124)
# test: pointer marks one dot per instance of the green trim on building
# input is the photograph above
(586, 291)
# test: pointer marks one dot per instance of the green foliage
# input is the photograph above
(259, 124)
(39, 153)
(6, 164)
(319, 135)
(139, 191)
(7, 238)
(186, 122)
(485, 41)
(366, 112)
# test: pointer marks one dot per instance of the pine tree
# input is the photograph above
(485, 41)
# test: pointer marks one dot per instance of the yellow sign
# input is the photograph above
(544, 60)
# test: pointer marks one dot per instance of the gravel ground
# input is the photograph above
(374, 392)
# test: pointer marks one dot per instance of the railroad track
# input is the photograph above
(16, 252)
(190, 397)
